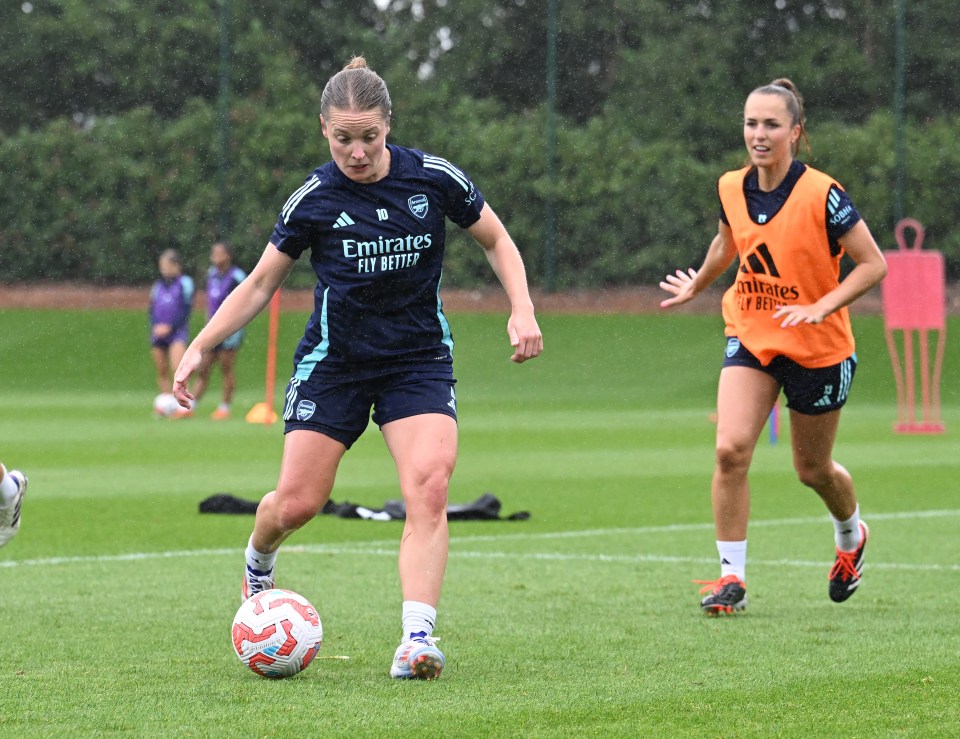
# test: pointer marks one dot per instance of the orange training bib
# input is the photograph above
(784, 261)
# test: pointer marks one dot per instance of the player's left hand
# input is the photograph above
(794, 315)
(525, 336)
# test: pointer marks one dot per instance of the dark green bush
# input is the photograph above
(98, 202)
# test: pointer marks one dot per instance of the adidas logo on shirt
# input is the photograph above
(762, 264)
(768, 292)
(343, 220)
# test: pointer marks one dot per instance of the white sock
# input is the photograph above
(418, 618)
(733, 558)
(847, 533)
(258, 560)
(8, 488)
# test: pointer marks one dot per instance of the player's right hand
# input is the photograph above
(189, 363)
(681, 285)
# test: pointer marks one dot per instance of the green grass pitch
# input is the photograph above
(116, 598)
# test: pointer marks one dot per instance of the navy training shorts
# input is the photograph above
(340, 409)
(808, 391)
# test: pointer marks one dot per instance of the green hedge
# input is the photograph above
(97, 203)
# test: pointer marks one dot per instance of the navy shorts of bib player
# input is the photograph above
(373, 222)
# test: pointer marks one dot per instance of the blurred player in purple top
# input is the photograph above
(373, 222)
(222, 277)
(171, 300)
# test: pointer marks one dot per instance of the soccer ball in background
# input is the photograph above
(277, 633)
(165, 405)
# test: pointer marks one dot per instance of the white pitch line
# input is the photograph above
(664, 559)
(129, 557)
(540, 556)
(388, 547)
(671, 528)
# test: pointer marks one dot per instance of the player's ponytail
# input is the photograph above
(356, 87)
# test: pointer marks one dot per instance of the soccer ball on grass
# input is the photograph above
(277, 633)
(165, 405)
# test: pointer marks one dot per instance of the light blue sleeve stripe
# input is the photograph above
(319, 353)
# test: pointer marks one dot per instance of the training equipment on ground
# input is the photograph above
(277, 633)
(165, 405)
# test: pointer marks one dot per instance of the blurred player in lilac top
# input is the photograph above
(222, 277)
(171, 300)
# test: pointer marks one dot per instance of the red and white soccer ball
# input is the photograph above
(165, 405)
(277, 633)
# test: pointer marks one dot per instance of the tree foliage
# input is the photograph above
(109, 120)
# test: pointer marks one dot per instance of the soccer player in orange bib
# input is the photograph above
(787, 326)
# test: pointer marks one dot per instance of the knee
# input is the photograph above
(293, 511)
(428, 496)
(733, 457)
(816, 476)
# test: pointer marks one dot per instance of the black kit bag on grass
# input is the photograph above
(485, 508)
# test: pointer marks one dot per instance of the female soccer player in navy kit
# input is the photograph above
(788, 327)
(373, 222)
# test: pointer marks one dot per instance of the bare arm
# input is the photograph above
(871, 268)
(685, 286)
(501, 252)
(240, 307)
